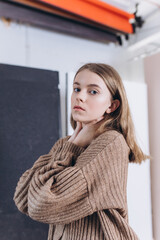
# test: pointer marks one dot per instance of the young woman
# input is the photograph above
(79, 187)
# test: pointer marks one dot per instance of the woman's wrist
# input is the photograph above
(70, 139)
(78, 143)
(74, 141)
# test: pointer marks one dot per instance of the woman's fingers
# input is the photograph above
(83, 136)
(79, 126)
(76, 131)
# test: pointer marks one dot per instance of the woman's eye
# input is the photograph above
(76, 90)
(93, 92)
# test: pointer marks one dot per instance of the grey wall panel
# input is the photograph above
(29, 126)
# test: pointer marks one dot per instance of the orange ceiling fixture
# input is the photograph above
(97, 12)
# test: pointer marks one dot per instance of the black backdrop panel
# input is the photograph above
(29, 126)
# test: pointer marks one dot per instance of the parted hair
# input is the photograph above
(119, 120)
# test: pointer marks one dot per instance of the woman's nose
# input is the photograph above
(81, 96)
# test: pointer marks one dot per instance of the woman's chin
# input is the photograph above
(81, 120)
(77, 119)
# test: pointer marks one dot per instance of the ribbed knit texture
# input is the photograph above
(80, 192)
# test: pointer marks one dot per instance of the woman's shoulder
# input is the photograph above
(109, 136)
(106, 142)
(102, 140)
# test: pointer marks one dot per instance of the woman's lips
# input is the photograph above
(78, 108)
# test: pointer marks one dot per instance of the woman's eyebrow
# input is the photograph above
(76, 83)
(93, 85)
(89, 85)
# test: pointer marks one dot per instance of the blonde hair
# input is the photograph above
(119, 120)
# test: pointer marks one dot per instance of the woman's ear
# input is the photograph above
(114, 105)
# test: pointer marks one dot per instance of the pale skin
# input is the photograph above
(90, 100)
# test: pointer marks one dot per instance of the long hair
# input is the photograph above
(119, 120)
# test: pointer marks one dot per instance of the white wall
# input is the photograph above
(138, 191)
(152, 73)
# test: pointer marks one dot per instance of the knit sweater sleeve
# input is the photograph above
(43, 163)
(67, 194)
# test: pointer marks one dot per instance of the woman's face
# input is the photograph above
(90, 98)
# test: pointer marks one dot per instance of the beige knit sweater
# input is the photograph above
(80, 192)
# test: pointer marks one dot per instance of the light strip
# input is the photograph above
(144, 42)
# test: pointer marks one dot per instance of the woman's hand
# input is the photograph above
(83, 136)
(76, 131)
